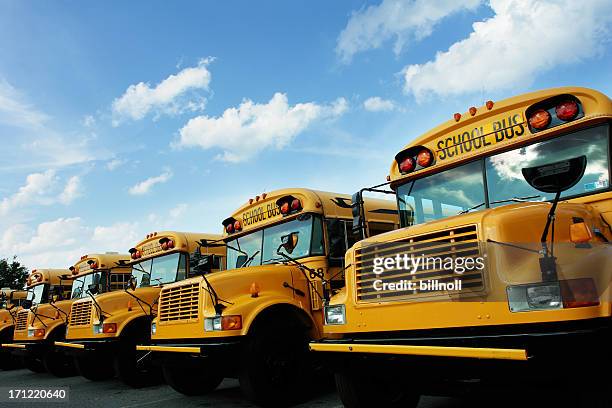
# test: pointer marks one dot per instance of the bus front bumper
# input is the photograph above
(85, 346)
(437, 351)
(23, 349)
(203, 350)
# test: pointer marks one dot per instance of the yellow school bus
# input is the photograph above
(502, 267)
(253, 320)
(103, 332)
(47, 321)
(36, 323)
(11, 301)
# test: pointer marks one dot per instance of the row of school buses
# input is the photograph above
(293, 288)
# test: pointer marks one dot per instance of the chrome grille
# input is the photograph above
(21, 323)
(179, 303)
(80, 313)
(456, 242)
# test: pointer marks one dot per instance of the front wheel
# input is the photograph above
(191, 379)
(359, 390)
(34, 364)
(59, 364)
(96, 368)
(275, 368)
(133, 372)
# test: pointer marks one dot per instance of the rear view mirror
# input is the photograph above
(556, 177)
(93, 288)
(241, 260)
(356, 209)
(131, 283)
(289, 242)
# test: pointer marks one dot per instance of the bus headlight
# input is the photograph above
(541, 296)
(97, 328)
(230, 322)
(335, 314)
(153, 328)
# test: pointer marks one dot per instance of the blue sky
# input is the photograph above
(121, 118)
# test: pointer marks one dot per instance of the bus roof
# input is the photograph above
(5, 293)
(264, 210)
(488, 122)
(89, 263)
(151, 246)
(50, 276)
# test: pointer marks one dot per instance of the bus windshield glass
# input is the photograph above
(158, 271)
(505, 180)
(81, 284)
(260, 247)
(38, 293)
(462, 189)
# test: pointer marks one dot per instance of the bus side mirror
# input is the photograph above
(240, 260)
(356, 209)
(288, 242)
(556, 177)
(131, 283)
(205, 264)
(93, 288)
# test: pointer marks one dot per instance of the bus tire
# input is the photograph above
(133, 373)
(191, 380)
(275, 367)
(359, 390)
(59, 364)
(33, 364)
(95, 368)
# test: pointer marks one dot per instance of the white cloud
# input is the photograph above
(144, 187)
(71, 191)
(59, 243)
(114, 164)
(15, 111)
(403, 20)
(41, 189)
(89, 121)
(244, 131)
(378, 104)
(522, 39)
(166, 97)
(169, 219)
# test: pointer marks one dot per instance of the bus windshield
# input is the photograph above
(161, 270)
(38, 293)
(462, 189)
(81, 284)
(260, 247)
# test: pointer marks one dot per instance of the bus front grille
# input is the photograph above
(459, 242)
(21, 322)
(179, 303)
(80, 314)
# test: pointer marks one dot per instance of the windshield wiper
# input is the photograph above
(60, 311)
(250, 259)
(275, 260)
(516, 199)
(303, 268)
(470, 209)
(99, 310)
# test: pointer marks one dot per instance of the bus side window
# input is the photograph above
(118, 280)
(376, 228)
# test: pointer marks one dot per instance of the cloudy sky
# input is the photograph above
(121, 118)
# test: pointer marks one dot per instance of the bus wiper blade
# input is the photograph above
(250, 259)
(60, 311)
(140, 269)
(139, 301)
(303, 268)
(470, 209)
(516, 199)
(99, 310)
(275, 260)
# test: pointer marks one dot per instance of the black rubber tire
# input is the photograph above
(275, 368)
(34, 364)
(9, 361)
(59, 364)
(359, 390)
(133, 373)
(191, 380)
(95, 368)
